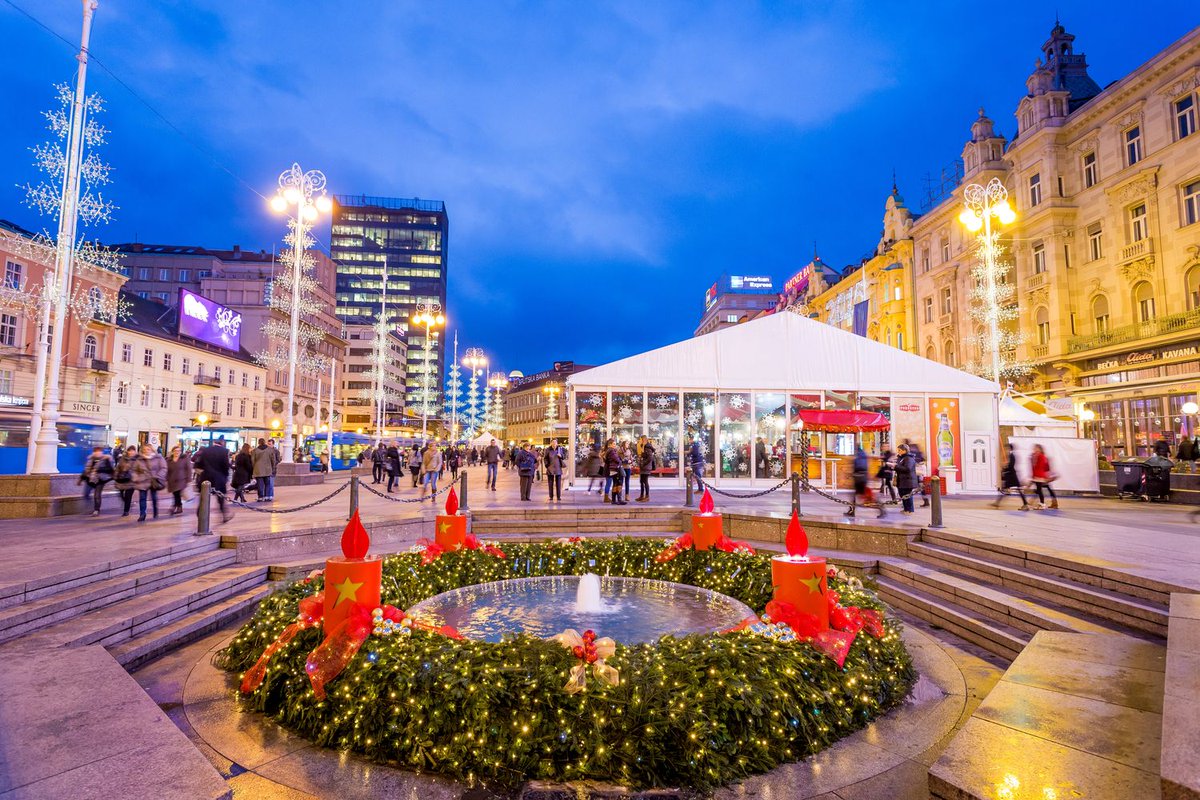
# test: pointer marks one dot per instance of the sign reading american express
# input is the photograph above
(202, 319)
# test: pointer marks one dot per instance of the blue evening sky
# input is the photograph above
(602, 163)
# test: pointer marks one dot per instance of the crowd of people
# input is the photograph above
(610, 469)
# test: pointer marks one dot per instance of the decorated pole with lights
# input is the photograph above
(474, 360)
(800, 579)
(451, 530)
(353, 578)
(427, 315)
(707, 526)
(982, 204)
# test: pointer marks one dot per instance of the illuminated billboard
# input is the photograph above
(710, 296)
(202, 319)
(750, 283)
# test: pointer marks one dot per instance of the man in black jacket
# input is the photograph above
(492, 456)
(212, 463)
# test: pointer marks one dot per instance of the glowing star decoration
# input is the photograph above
(355, 541)
(706, 503)
(796, 539)
(347, 590)
(451, 503)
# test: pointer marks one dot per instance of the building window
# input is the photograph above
(1041, 320)
(164, 398)
(164, 274)
(254, 410)
(87, 392)
(185, 366)
(925, 260)
(1185, 116)
(245, 380)
(1089, 170)
(731, 319)
(167, 362)
(231, 377)
(127, 354)
(200, 368)
(8, 330)
(215, 400)
(199, 402)
(147, 357)
(229, 406)
(163, 296)
(1138, 229)
(242, 407)
(145, 396)
(1191, 203)
(1133, 145)
(1039, 258)
(949, 354)
(185, 275)
(182, 400)
(897, 292)
(143, 273)
(899, 340)
(6, 381)
(1192, 281)
(1095, 242)
(1062, 188)
(1035, 189)
(1143, 302)
(945, 249)
(256, 377)
(123, 393)
(12, 275)
(90, 345)
(947, 300)
(928, 305)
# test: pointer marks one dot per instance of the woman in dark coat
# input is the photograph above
(394, 468)
(906, 477)
(179, 475)
(243, 472)
(1010, 481)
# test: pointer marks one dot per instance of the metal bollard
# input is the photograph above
(203, 508)
(796, 494)
(462, 491)
(353, 495)
(688, 500)
(935, 502)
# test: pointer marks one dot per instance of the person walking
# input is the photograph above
(918, 457)
(861, 475)
(696, 461)
(123, 478)
(491, 455)
(97, 472)
(431, 466)
(379, 462)
(1186, 454)
(149, 476)
(452, 459)
(393, 464)
(243, 472)
(1009, 481)
(906, 477)
(887, 474)
(179, 475)
(275, 459)
(526, 461)
(262, 462)
(612, 465)
(647, 463)
(555, 459)
(414, 465)
(628, 459)
(593, 467)
(212, 464)
(1043, 476)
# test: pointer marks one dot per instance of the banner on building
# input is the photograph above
(945, 446)
(908, 421)
(860, 318)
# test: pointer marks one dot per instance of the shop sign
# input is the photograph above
(13, 400)
(797, 283)
(750, 283)
(1145, 357)
(710, 296)
(86, 408)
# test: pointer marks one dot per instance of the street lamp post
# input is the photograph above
(551, 391)
(428, 315)
(474, 360)
(306, 192)
(499, 383)
(982, 204)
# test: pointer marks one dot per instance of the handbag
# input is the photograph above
(157, 484)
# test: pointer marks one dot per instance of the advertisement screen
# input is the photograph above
(201, 318)
(710, 296)
(750, 283)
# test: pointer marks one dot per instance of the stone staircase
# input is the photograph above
(632, 519)
(138, 609)
(999, 597)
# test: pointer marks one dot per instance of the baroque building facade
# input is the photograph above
(1105, 250)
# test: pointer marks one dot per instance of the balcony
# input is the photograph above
(1139, 249)
(946, 320)
(207, 380)
(1039, 351)
(1172, 323)
(1036, 281)
(93, 364)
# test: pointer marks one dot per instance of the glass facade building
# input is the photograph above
(410, 238)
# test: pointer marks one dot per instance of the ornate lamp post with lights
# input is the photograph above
(305, 193)
(551, 391)
(983, 203)
(499, 383)
(428, 315)
(474, 360)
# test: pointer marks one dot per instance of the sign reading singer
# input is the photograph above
(201, 318)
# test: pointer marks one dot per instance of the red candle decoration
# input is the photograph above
(707, 526)
(354, 577)
(450, 528)
(799, 579)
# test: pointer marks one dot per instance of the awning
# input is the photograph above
(843, 421)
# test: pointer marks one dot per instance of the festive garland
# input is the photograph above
(697, 711)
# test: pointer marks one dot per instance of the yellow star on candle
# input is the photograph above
(813, 583)
(445, 527)
(347, 590)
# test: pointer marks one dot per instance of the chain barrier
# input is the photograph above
(752, 495)
(445, 487)
(267, 510)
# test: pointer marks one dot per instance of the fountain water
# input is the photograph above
(587, 596)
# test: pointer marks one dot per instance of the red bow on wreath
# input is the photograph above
(674, 548)
(845, 623)
(432, 551)
(312, 610)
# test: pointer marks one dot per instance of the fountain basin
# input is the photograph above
(636, 610)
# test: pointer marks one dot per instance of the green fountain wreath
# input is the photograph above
(697, 711)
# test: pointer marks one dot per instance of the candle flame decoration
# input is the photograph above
(796, 539)
(355, 541)
(706, 503)
(451, 503)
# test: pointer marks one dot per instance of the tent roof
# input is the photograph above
(484, 439)
(1013, 413)
(780, 352)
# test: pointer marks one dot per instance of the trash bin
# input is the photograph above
(1129, 477)
(1156, 481)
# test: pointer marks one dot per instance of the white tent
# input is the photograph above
(1016, 415)
(1072, 458)
(779, 352)
(484, 439)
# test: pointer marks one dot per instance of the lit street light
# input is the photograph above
(982, 204)
(551, 391)
(474, 360)
(428, 315)
(498, 382)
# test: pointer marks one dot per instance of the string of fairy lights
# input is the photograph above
(696, 711)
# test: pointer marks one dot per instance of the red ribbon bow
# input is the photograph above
(312, 610)
(433, 551)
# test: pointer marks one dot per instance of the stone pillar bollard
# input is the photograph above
(354, 479)
(203, 508)
(935, 502)
(796, 494)
(462, 492)
(688, 500)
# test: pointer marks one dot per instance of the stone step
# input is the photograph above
(1105, 603)
(1180, 756)
(1099, 573)
(155, 642)
(664, 524)
(632, 510)
(1008, 606)
(135, 616)
(12, 594)
(44, 611)
(997, 638)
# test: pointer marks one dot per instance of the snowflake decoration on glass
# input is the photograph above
(693, 418)
(595, 400)
(662, 402)
(737, 401)
(625, 412)
(768, 420)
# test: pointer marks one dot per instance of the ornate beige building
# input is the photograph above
(1105, 249)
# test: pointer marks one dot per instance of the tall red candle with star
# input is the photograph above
(451, 528)
(798, 578)
(707, 527)
(353, 577)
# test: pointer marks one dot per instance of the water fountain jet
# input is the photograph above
(587, 596)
